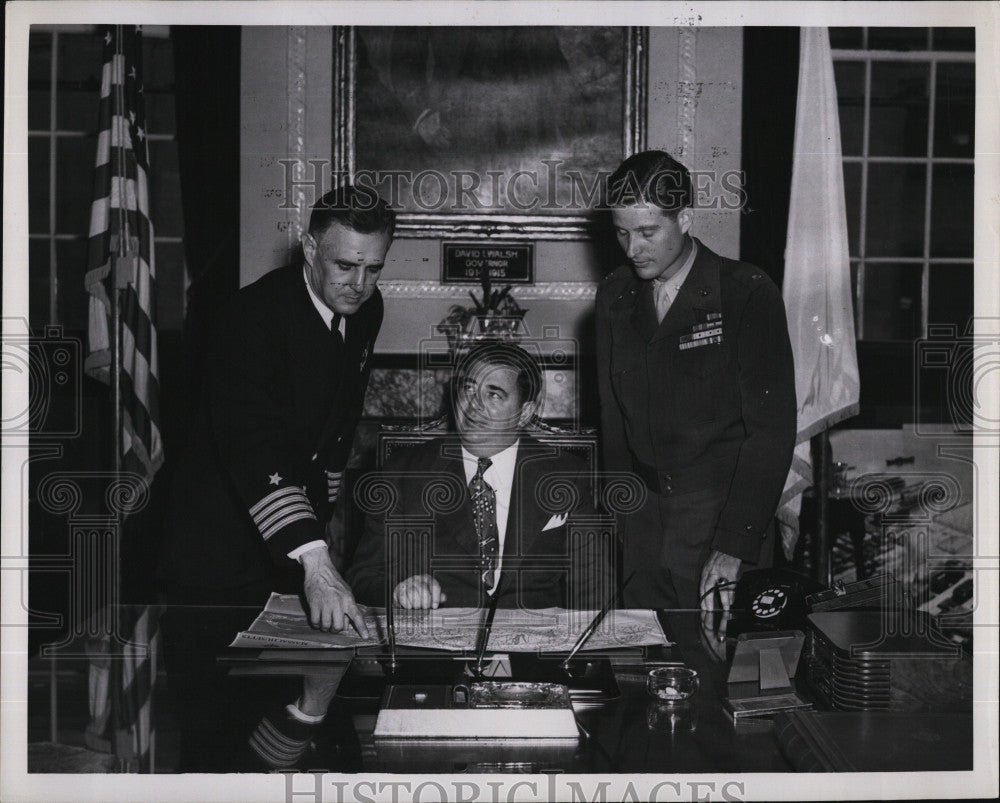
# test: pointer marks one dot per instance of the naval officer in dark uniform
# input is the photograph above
(697, 393)
(256, 482)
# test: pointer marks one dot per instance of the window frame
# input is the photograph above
(54, 134)
(933, 58)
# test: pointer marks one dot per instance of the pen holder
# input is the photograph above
(672, 684)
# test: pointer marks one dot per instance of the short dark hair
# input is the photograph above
(357, 208)
(529, 375)
(651, 177)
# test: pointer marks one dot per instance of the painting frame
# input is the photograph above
(488, 225)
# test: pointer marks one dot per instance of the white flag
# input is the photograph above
(817, 283)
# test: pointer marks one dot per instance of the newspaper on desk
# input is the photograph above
(283, 623)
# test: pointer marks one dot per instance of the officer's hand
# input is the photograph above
(718, 567)
(419, 591)
(318, 690)
(331, 603)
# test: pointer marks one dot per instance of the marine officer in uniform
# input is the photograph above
(256, 482)
(697, 393)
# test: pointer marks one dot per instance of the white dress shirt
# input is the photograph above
(500, 477)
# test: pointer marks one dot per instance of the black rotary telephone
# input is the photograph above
(770, 599)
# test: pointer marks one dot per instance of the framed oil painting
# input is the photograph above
(479, 132)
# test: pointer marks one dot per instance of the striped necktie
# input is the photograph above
(484, 515)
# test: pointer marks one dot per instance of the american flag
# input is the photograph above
(121, 259)
(121, 251)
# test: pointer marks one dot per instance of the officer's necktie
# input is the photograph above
(335, 329)
(662, 298)
(484, 515)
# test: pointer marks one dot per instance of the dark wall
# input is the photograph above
(770, 83)
(207, 74)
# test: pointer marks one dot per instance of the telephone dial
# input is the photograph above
(770, 599)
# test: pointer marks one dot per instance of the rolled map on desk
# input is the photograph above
(283, 623)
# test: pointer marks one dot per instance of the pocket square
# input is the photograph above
(557, 520)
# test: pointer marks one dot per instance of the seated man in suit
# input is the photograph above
(487, 510)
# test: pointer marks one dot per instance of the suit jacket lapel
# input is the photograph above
(306, 331)
(356, 340)
(353, 359)
(460, 522)
(512, 548)
(523, 525)
(305, 326)
(644, 311)
(635, 309)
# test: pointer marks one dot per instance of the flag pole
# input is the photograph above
(116, 361)
(117, 260)
(118, 282)
(822, 547)
(121, 741)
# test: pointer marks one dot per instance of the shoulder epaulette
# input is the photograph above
(749, 275)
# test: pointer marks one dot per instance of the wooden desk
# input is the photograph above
(632, 734)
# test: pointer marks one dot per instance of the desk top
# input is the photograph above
(630, 734)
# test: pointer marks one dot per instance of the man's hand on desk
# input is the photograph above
(419, 591)
(331, 603)
(719, 567)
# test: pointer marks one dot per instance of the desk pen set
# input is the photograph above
(535, 701)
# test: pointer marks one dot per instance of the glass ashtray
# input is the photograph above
(672, 684)
(671, 718)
